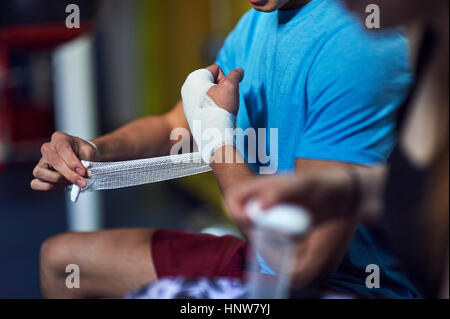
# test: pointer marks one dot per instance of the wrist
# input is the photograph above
(212, 129)
(211, 125)
(98, 146)
(225, 154)
(93, 145)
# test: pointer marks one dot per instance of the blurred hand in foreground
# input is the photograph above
(325, 195)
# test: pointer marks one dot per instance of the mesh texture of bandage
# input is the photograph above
(114, 175)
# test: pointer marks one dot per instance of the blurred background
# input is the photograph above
(128, 59)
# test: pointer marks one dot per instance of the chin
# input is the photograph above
(264, 9)
(264, 5)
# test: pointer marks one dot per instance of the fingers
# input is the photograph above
(65, 149)
(46, 178)
(282, 189)
(57, 162)
(240, 196)
(221, 77)
(270, 198)
(60, 165)
(266, 191)
(217, 73)
(236, 76)
(226, 93)
(42, 186)
(215, 70)
(45, 174)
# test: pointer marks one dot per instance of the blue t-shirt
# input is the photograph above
(332, 90)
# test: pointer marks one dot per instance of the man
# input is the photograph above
(397, 195)
(310, 72)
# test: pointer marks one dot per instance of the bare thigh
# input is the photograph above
(112, 263)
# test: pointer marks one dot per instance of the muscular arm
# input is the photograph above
(61, 165)
(146, 137)
(230, 175)
(320, 254)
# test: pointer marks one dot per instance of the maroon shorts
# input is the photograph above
(194, 255)
(178, 253)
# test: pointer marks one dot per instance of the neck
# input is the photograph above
(295, 4)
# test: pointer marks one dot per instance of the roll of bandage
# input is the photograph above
(275, 234)
(114, 175)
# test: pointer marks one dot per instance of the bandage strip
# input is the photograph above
(114, 175)
(212, 126)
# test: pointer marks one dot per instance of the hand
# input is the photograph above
(60, 164)
(226, 93)
(210, 103)
(325, 196)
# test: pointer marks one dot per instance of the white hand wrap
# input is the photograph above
(211, 126)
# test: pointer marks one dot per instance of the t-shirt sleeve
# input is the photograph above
(225, 58)
(355, 85)
(231, 54)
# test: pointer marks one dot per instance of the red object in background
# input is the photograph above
(40, 37)
(3, 110)
(30, 122)
(20, 124)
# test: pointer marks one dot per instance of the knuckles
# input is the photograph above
(58, 136)
(229, 86)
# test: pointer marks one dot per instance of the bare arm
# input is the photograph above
(327, 190)
(60, 164)
(350, 191)
(230, 175)
(319, 255)
(146, 137)
(321, 252)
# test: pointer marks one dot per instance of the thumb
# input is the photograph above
(236, 76)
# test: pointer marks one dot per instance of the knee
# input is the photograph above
(55, 254)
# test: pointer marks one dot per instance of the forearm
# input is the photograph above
(145, 137)
(231, 173)
(142, 138)
(318, 255)
(229, 168)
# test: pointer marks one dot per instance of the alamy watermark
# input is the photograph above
(73, 17)
(373, 280)
(73, 279)
(262, 145)
(373, 17)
